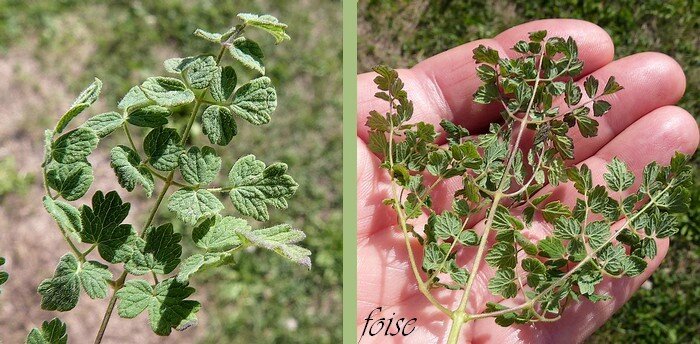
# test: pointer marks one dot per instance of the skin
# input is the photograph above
(642, 126)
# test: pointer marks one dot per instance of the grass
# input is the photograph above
(122, 42)
(401, 33)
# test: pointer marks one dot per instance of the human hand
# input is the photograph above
(640, 128)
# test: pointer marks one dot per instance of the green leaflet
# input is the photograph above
(254, 187)
(209, 36)
(162, 146)
(447, 225)
(200, 167)
(192, 205)
(503, 283)
(3, 274)
(159, 253)
(201, 262)
(86, 98)
(71, 181)
(67, 216)
(74, 146)
(218, 125)
(168, 92)
(151, 116)
(268, 23)
(127, 165)
(281, 239)
(51, 332)
(104, 123)
(618, 177)
(255, 101)
(248, 53)
(102, 225)
(135, 98)
(199, 72)
(223, 83)
(167, 304)
(62, 291)
(217, 234)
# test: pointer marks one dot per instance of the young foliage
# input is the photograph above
(3, 274)
(609, 231)
(155, 277)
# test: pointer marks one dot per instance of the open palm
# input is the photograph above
(642, 126)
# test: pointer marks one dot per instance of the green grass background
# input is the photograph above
(263, 298)
(401, 33)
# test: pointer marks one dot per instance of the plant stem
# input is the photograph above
(459, 313)
(168, 182)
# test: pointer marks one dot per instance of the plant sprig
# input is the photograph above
(610, 231)
(96, 233)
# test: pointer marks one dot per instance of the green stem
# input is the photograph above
(168, 182)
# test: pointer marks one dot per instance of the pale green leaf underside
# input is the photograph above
(67, 216)
(201, 262)
(168, 92)
(217, 233)
(255, 101)
(281, 239)
(86, 98)
(218, 125)
(200, 166)
(104, 123)
(254, 187)
(127, 166)
(223, 83)
(268, 23)
(192, 205)
(248, 53)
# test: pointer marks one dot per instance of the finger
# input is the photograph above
(442, 86)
